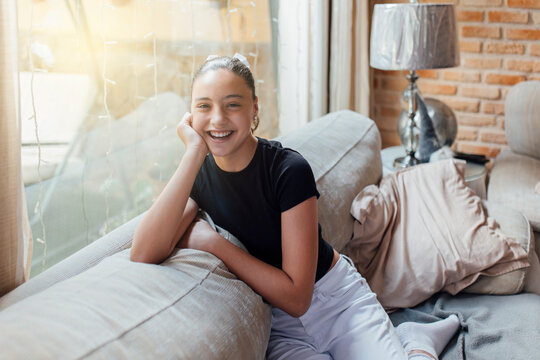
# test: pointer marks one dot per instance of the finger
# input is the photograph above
(187, 119)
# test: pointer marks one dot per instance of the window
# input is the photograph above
(103, 85)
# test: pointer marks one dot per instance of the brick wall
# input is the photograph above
(500, 47)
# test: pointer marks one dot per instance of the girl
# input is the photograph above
(265, 195)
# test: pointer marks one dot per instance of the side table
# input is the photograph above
(475, 174)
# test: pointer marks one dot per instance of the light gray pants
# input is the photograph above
(344, 322)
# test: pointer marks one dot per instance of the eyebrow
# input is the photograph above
(225, 98)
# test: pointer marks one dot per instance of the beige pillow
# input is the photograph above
(422, 231)
(188, 307)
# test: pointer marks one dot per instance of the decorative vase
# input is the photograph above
(443, 121)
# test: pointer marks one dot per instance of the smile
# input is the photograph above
(219, 134)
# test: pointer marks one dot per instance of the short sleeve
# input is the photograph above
(194, 194)
(295, 182)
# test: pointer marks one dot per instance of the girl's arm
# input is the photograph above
(173, 210)
(289, 288)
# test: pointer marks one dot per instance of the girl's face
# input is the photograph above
(223, 109)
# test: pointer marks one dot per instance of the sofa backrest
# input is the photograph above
(522, 118)
(344, 151)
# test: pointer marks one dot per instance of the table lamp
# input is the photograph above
(413, 36)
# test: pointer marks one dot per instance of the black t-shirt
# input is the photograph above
(249, 203)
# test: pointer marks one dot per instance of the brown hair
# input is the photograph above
(232, 64)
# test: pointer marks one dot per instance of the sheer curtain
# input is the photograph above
(15, 248)
(103, 85)
(349, 61)
(322, 59)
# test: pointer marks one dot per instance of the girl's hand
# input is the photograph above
(188, 135)
(200, 236)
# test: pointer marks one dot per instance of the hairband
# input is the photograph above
(238, 56)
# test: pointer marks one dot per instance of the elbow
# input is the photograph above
(135, 255)
(144, 257)
(299, 308)
(141, 252)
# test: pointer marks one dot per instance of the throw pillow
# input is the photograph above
(422, 231)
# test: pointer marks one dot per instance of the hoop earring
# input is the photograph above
(255, 123)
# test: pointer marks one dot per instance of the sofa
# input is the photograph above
(97, 304)
(515, 176)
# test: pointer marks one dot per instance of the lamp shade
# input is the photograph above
(413, 36)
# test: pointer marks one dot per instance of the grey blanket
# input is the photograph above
(493, 327)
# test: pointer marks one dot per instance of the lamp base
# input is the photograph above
(405, 162)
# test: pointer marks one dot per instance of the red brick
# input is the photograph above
(483, 3)
(476, 120)
(463, 15)
(520, 65)
(534, 49)
(437, 88)
(428, 74)
(467, 133)
(483, 63)
(493, 136)
(533, 77)
(392, 112)
(531, 4)
(461, 76)
(397, 83)
(504, 48)
(514, 17)
(475, 148)
(470, 46)
(493, 108)
(481, 92)
(481, 31)
(536, 17)
(387, 97)
(387, 123)
(523, 34)
(470, 106)
(502, 79)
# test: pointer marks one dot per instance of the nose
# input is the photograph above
(218, 117)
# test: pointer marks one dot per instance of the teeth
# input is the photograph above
(220, 134)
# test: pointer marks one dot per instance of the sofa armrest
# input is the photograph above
(115, 241)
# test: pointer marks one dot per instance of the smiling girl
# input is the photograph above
(265, 195)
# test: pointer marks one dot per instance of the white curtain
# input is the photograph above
(349, 61)
(321, 68)
(302, 56)
(15, 247)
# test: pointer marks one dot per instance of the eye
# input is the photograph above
(233, 105)
(203, 106)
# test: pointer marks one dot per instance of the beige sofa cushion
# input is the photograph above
(513, 224)
(344, 151)
(512, 183)
(521, 114)
(189, 307)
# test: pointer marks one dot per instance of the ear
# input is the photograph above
(256, 106)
